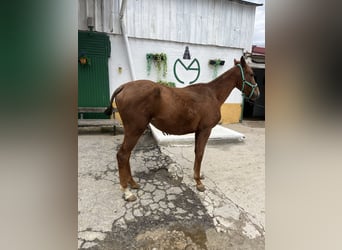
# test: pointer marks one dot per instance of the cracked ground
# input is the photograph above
(169, 212)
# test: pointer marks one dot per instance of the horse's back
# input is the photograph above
(137, 90)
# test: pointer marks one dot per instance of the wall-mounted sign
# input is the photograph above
(193, 66)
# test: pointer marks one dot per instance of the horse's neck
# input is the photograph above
(224, 84)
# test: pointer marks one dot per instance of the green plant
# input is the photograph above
(169, 84)
(215, 63)
(160, 61)
(149, 58)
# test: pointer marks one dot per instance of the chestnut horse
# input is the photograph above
(195, 108)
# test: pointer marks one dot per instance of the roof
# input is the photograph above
(258, 50)
(256, 58)
(247, 3)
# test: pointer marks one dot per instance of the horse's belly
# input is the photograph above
(174, 128)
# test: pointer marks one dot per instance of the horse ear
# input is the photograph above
(243, 62)
(235, 61)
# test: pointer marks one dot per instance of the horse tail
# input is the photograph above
(109, 109)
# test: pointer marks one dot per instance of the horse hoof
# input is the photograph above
(200, 187)
(130, 198)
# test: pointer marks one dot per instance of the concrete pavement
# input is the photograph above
(169, 212)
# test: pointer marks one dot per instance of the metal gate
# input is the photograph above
(93, 80)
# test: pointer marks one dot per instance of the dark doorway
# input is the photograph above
(256, 110)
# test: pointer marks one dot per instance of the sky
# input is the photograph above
(259, 27)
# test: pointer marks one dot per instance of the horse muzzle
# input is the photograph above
(255, 95)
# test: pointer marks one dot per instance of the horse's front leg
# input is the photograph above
(201, 138)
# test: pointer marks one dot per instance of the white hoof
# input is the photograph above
(128, 195)
(130, 198)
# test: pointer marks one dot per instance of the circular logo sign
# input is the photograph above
(193, 66)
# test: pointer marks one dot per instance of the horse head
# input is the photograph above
(246, 82)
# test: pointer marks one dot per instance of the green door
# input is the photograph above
(93, 80)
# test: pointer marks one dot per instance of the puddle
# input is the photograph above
(196, 233)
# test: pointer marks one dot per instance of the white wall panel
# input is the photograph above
(174, 51)
(209, 22)
(213, 22)
(105, 14)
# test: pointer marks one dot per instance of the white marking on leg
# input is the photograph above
(128, 195)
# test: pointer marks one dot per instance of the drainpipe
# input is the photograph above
(124, 34)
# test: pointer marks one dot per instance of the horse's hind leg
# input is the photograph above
(131, 181)
(123, 155)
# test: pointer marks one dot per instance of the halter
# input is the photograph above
(253, 86)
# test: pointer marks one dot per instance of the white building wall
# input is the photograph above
(211, 28)
(219, 22)
(211, 22)
(105, 14)
(174, 51)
